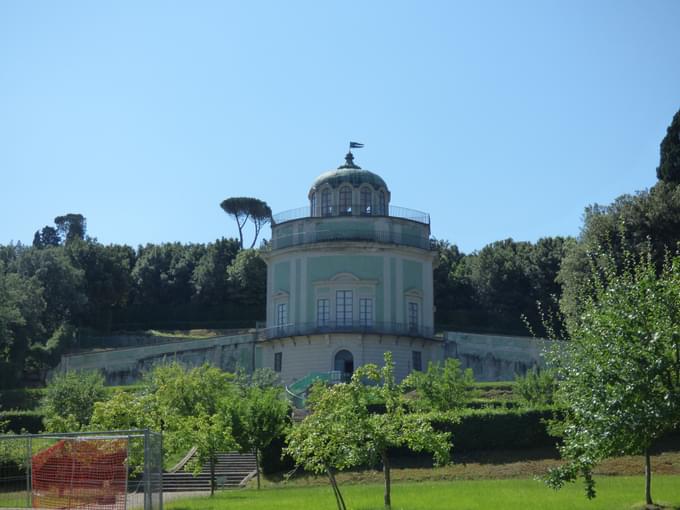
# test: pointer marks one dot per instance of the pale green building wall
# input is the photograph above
(299, 276)
(281, 274)
(364, 267)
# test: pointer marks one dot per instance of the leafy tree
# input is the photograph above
(258, 417)
(62, 283)
(262, 378)
(619, 375)
(43, 356)
(70, 398)
(209, 431)
(126, 410)
(209, 277)
(546, 257)
(163, 273)
(46, 237)
(649, 219)
(366, 436)
(394, 428)
(502, 273)
(107, 278)
(71, 226)
(191, 406)
(442, 387)
(669, 164)
(497, 288)
(536, 387)
(243, 209)
(452, 291)
(195, 406)
(21, 310)
(323, 442)
(248, 278)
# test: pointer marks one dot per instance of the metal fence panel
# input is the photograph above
(77, 470)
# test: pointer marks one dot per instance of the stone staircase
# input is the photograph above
(231, 470)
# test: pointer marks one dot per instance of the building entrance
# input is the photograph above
(344, 363)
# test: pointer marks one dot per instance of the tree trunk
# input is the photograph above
(212, 475)
(336, 490)
(648, 478)
(386, 472)
(257, 467)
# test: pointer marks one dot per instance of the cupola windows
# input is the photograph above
(348, 200)
(381, 203)
(312, 205)
(345, 202)
(365, 201)
(326, 207)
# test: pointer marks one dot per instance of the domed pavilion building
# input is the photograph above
(348, 278)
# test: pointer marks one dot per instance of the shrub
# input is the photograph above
(536, 387)
(18, 421)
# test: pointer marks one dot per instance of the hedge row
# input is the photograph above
(18, 421)
(478, 429)
(501, 428)
(26, 398)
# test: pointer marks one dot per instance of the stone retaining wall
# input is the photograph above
(126, 366)
(496, 357)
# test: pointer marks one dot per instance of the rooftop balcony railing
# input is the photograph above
(374, 236)
(350, 210)
(369, 327)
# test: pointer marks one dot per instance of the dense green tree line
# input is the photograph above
(497, 288)
(67, 281)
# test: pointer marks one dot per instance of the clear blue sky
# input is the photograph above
(500, 119)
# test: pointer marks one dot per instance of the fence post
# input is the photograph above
(29, 463)
(147, 469)
(159, 459)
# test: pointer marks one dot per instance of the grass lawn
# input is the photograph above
(615, 493)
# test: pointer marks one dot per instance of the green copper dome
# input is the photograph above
(348, 173)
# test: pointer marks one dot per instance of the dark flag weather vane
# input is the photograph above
(349, 158)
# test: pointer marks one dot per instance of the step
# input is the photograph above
(230, 470)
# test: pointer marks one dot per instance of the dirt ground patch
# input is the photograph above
(499, 465)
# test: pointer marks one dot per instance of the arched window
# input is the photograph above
(365, 201)
(345, 201)
(312, 205)
(326, 208)
(381, 204)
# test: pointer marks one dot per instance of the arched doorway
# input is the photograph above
(344, 363)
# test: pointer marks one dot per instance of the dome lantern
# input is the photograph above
(349, 190)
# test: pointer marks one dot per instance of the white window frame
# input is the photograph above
(344, 316)
(366, 311)
(282, 314)
(323, 312)
(413, 319)
(326, 289)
